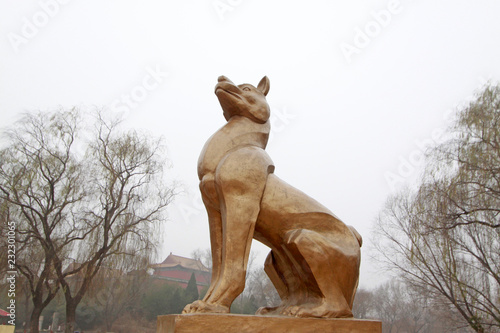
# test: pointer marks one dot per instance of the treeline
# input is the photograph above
(442, 235)
(114, 301)
(131, 302)
(84, 195)
(402, 308)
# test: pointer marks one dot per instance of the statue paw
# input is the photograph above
(266, 311)
(204, 307)
(290, 310)
(318, 311)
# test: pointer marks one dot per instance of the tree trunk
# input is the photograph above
(35, 319)
(27, 305)
(70, 316)
(109, 324)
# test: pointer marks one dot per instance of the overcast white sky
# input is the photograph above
(356, 86)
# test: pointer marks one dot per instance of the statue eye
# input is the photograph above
(246, 89)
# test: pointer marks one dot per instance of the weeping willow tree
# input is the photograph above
(83, 198)
(444, 237)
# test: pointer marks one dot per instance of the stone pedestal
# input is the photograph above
(231, 323)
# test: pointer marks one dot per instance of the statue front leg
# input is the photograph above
(240, 180)
(238, 216)
(215, 227)
(209, 197)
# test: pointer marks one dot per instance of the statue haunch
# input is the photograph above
(314, 259)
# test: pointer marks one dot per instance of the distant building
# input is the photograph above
(178, 270)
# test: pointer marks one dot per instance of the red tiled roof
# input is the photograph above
(173, 261)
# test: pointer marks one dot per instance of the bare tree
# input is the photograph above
(433, 260)
(463, 172)
(444, 237)
(39, 185)
(126, 202)
(89, 201)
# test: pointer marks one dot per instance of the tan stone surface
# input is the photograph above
(229, 323)
(315, 257)
(7, 329)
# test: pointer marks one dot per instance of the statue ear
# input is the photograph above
(264, 85)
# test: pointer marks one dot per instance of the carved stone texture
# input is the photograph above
(314, 259)
(230, 323)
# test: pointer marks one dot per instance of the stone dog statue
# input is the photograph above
(314, 259)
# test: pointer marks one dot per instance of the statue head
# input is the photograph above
(244, 99)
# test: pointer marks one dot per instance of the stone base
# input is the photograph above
(7, 329)
(231, 323)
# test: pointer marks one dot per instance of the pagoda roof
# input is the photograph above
(174, 261)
